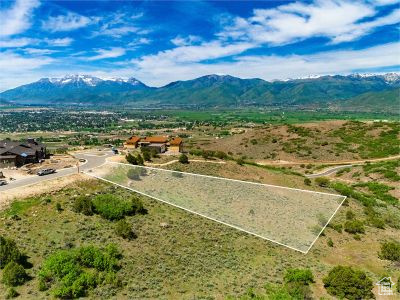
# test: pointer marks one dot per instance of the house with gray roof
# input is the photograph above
(13, 153)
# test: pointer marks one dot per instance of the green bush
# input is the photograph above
(183, 159)
(330, 242)
(83, 204)
(112, 207)
(74, 272)
(124, 230)
(346, 282)
(350, 215)
(322, 181)
(354, 226)
(390, 251)
(336, 227)
(303, 276)
(146, 155)
(14, 274)
(140, 160)
(11, 293)
(8, 252)
(297, 283)
(131, 159)
(307, 181)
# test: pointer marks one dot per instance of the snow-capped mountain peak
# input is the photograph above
(88, 80)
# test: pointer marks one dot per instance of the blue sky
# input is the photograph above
(161, 41)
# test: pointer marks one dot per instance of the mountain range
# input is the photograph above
(352, 92)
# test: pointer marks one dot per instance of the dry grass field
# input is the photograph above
(310, 142)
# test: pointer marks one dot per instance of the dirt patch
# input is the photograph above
(52, 185)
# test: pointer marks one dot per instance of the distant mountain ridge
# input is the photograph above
(212, 91)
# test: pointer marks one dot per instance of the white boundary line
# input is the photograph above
(207, 217)
(222, 178)
(327, 223)
(196, 213)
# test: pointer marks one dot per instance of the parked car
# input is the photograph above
(46, 172)
(3, 182)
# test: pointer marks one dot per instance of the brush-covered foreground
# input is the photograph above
(172, 254)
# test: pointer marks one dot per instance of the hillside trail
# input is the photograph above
(190, 160)
(344, 162)
(337, 165)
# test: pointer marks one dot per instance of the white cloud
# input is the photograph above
(186, 41)
(139, 42)
(16, 19)
(68, 22)
(19, 42)
(270, 67)
(107, 53)
(117, 31)
(61, 42)
(36, 51)
(184, 54)
(17, 69)
(337, 20)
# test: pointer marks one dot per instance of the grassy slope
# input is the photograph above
(385, 101)
(193, 257)
(325, 141)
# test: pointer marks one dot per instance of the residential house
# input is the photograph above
(132, 142)
(175, 145)
(158, 143)
(14, 153)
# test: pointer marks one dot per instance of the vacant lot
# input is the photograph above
(181, 255)
(312, 142)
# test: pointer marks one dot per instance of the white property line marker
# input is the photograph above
(286, 216)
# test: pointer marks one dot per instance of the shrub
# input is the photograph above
(336, 227)
(140, 160)
(112, 207)
(183, 159)
(297, 283)
(240, 161)
(354, 226)
(14, 274)
(73, 272)
(330, 242)
(8, 252)
(346, 282)
(146, 155)
(390, 251)
(58, 207)
(221, 155)
(350, 215)
(398, 285)
(124, 230)
(322, 181)
(83, 205)
(307, 181)
(135, 173)
(11, 293)
(131, 159)
(303, 276)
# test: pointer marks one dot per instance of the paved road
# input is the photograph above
(329, 171)
(93, 160)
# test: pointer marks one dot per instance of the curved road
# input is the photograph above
(93, 159)
(329, 171)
